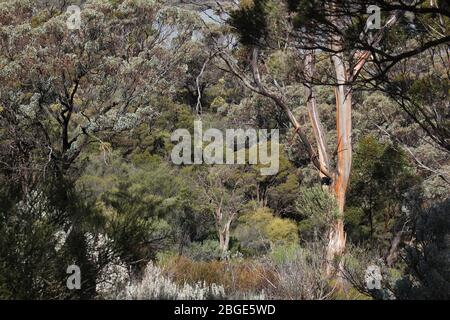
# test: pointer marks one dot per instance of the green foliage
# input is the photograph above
(260, 230)
(278, 192)
(284, 254)
(28, 259)
(279, 64)
(282, 197)
(147, 205)
(307, 11)
(316, 209)
(206, 250)
(427, 275)
(250, 21)
(380, 180)
(40, 236)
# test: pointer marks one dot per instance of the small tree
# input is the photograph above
(221, 188)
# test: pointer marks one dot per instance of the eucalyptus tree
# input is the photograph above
(222, 190)
(361, 52)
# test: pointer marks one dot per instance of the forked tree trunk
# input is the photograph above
(223, 226)
(345, 76)
(313, 113)
(340, 178)
(224, 238)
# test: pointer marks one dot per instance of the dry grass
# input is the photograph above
(236, 276)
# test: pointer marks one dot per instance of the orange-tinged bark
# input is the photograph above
(337, 236)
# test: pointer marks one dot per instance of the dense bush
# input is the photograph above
(427, 258)
(299, 273)
(260, 230)
(315, 209)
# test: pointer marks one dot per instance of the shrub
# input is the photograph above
(259, 230)
(299, 274)
(424, 271)
(204, 251)
(240, 278)
(154, 285)
(427, 275)
(314, 199)
(356, 263)
(317, 209)
(281, 254)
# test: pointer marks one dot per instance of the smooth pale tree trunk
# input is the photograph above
(343, 90)
(340, 178)
(313, 113)
(223, 231)
(224, 238)
(337, 236)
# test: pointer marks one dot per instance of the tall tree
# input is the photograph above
(339, 31)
